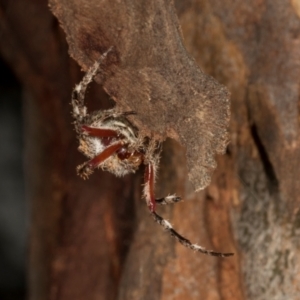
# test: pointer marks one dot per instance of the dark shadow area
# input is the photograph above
(273, 184)
(13, 211)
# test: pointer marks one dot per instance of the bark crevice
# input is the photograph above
(273, 183)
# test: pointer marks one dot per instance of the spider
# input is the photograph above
(113, 144)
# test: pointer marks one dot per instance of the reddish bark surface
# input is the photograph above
(94, 239)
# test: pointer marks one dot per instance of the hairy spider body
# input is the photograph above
(113, 144)
(100, 131)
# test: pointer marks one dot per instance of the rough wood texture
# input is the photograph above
(151, 73)
(84, 244)
(253, 48)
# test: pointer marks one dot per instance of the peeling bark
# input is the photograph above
(89, 239)
(151, 73)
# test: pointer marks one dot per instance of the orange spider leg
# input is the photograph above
(106, 153)
(97, 132)
(149, 187)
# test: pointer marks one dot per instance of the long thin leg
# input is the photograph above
(88, 167)
(150, 199)
(79, 110)
(182, 240)
(168, 200)
(149, 187)
(149, 190)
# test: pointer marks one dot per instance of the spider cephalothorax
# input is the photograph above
(112, 143)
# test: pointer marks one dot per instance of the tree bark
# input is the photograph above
(149, 71)
(253, 48)
(94, 239)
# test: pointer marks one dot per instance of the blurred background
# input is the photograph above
(94, 239)
(13, 211)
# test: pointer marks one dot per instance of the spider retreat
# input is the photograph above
(113, 144)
